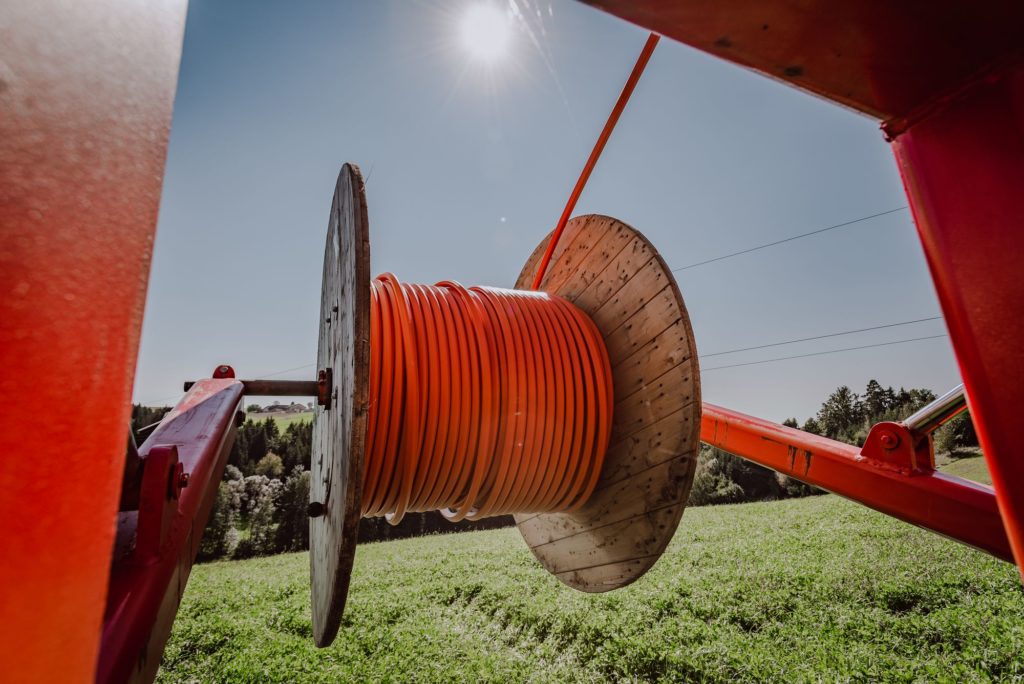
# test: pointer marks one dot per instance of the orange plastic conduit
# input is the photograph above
(483, 402)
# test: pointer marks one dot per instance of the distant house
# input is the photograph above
(286, 408)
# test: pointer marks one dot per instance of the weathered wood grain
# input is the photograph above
(339, 433)
(611, 272)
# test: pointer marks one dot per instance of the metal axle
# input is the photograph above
(931, 417)
(274, 388)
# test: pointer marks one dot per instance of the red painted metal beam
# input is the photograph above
(888, 479)
(157, 544)
(962, 161)
(879, 57)
(86, 90)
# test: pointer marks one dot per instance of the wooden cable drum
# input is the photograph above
(576, 407)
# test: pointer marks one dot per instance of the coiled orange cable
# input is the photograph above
(483, 402)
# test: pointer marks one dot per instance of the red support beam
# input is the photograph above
(888, 479)
(86, 90)
(157, 544)
(879, 57)
(962, 161)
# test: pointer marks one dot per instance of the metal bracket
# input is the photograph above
(893, 445)
(324, 387)
(162, 481)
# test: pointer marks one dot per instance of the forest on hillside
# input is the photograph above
(261, 502)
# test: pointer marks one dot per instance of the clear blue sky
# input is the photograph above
(470, 166)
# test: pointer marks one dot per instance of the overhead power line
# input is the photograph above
(706, 356)
(789, 239)
(831, 351)
(287, 370)
(821, 337)
(731, 351)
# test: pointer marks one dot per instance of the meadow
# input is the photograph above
(808, 589)
(283, 420)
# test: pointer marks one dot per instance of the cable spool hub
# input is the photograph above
(622, 296)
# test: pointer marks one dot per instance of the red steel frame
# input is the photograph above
(86, 90)
(962, 161)
(890, 480)
(86, 99)
(157, 544)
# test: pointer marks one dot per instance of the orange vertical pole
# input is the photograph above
(595, 154)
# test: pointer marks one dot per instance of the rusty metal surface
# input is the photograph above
(886, 481)
(281, 388)
(85, 106)
(879, 57)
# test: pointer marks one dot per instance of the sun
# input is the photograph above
(485, 31)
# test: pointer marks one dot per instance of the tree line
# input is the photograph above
(261, 504)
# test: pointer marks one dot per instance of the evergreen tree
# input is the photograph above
(292, 519)
(294, 445)
(890, 398)
(216, 539)
(260, 498)
(270, 430)
(841, 413)
(257, 448)
(876, 400)
(902, 398)
(811, 425)
(144, 416)
(920, 398)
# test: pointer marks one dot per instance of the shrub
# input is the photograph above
(217, 541)
(270, 466)
(956, 434)
(292, 532)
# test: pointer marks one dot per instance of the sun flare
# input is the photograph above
(485, 31)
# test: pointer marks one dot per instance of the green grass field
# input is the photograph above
(798, 590)
(284, 420)
(972, 467)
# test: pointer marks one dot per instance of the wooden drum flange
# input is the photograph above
(339, 433)
(611, 272)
